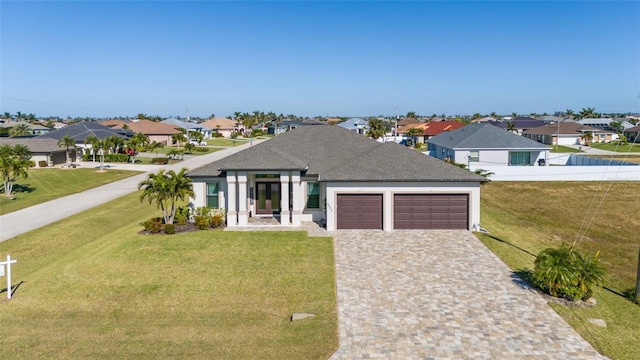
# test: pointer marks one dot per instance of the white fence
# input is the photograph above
(562, 173)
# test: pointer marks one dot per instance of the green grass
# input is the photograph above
(525, 218)
(47, 184)
(226, 142)
(563, 149)
(634, 148)
(94, 288)
(165, 151)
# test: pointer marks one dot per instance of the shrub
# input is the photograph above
(170, 228)
(32, 163)
(217, 218)
(234, 135)
(256, 132)
(182, 215)
(564, 272)
(42, 163)
(160, 161)
(202, 149)
(153, 225)
(201, 221)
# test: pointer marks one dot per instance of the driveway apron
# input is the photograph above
(440, 295)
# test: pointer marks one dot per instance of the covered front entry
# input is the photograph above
(268, 198)
(359, 211)
(431, 211)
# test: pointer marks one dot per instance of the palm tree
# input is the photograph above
(21, 129)
(155, 145)
(411, 114)
(514, 114)
(189, 147)
(493, 115)
(138, 142)
(7, 115)
(511, 127)
(14, 163)
(377, 128)
(113, 144)
(67, 142)
(166, 189)
(178, 138)
(587, 113)
(92, 141)
(569, 112)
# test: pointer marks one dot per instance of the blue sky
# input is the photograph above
(120, 58)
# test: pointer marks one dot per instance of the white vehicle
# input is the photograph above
(194, 142)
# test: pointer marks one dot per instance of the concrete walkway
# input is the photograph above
(588, 150)
(21, 221)
(440, 295)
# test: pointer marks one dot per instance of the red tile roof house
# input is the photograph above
(159, 132)
(222, 126)
(431, 129)
(328, 174)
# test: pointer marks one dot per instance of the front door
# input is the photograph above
(268, 198)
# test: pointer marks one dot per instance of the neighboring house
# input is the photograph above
(487, 145)
(604, 123)
(520, 123)
(80, 131)
(408, 121)
(430, 129)
(287, 125)
(222, 126)
(551, 119)
(331, 175)
(571, 133)
(44, 151)
(34, 129)
(484, 120)
(633, 134)
(357, 125)
(189, 126)
(114, 123)
(162, 133)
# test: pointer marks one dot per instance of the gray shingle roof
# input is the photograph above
(80, 131)
(484, 136)
(337, 154)
(35, 144)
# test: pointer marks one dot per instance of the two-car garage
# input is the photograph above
(410, 211)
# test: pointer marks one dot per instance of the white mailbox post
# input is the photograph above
(8, 273)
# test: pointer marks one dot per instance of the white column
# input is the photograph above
(284, 198)
(296, 213)
(232, 194)
(243, 214)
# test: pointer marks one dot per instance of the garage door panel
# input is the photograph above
(359, 211)
(431, 211)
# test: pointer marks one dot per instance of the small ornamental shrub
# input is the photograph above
(256, 132)
(234, 135)
(160, 161)
(564, 272)
(217, 218)
(153, 225)
(201, 221)
(182, 215)
(202, 149)
(170, 228)
(32, 163)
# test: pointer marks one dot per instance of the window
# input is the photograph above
(212, 195)
(474, 156)
(519, 158)
(313, 195)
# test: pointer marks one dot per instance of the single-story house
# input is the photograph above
(44, 151)
(571, 133)
(34, 129)
(81, 131)
(222, 126)
(605, 124)
(520, 124)
(330, 175)
(633, 134)
(189, 126)
(487, 145)
(162, 133)
(430, 129)
(357, 125)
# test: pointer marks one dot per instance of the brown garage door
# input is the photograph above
(430, 211)
(359, 211)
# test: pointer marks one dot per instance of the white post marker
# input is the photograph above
(8, 263)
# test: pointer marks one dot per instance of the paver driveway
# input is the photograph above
(438, 295)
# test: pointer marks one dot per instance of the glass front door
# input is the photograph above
(268, 198)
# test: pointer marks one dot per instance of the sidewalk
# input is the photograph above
(22, 221)
(588, 150)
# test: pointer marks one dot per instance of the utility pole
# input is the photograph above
(395, 133)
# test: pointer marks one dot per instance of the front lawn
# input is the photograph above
(93, 288)
(563, 149)
(226, 142)
(525, 218)
(614, 147)
(47, 184)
